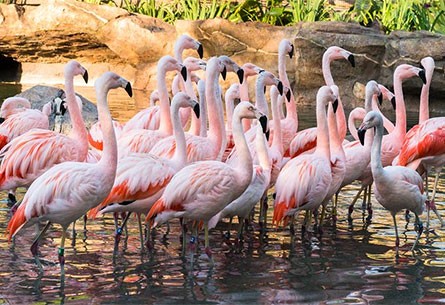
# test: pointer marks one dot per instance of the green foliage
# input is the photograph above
(409, 15)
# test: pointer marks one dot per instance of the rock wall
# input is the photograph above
(42, 37)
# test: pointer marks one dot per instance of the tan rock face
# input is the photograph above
(108, 38)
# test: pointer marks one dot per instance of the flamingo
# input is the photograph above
(202, 148)
(202, 189)
(249, 70)
(28, 156)
(143, 140)
(95, 137)
(142, 178)
(18, 123)
(423, 147)
(395, 187)
(13, 105)
(232, 94)
(304, 181)
(307, 139)
(68, 190)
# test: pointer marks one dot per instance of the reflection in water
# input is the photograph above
(352, 264)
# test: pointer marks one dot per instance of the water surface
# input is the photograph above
(347, 264)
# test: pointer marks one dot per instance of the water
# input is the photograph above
(349, 263)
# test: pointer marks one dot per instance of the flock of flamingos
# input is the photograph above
(216, 168)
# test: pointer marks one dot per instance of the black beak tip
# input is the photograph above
(288, 95)
(393, 102)
(196, 110)
(240, 74)
(351, 60)
(280, 87)
(361, 135)
(184, 73)
(85, 76)
(200, 51)
(129, 89)
(291, 52)
(380, 97)
(2, 120)
(422, 76)
(224, 73)
(263, 122)
(267, 134)
(335, 105)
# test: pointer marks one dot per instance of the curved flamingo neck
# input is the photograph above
(165, 124)
(79, 131)
(244, 166)
(260, 96)
(322, 129)
(341, 119)
(216, 126)
(180, 156)
(195, 124)
(424, 110)
(202, 108)
(326, 68)
(277, 140)
(109, 153)
(244, 96)
(400, 126)
(291, 107)
(229, 112)
(376, 149)
(335, 142)
(357, 113)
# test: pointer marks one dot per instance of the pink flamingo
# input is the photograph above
(423, 148)
(18, 123)
(202, 189)
(395, 187)
(13, 105)
(304, 181)
(142, 178)
(202, 148)
(28, 156)
(307, 139)
(68, 190)
(143, 140)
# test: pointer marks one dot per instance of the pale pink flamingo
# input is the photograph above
(202, 189)
(68, 190)
(142, 178)
(289, 125)
(304, 181)
(143, 140)
(307, 139)
(28, 156)
(202, 148)
(423, 147)
(18, 123)
(395, 187)
(13, 105)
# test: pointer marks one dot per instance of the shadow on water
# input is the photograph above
(353, 264)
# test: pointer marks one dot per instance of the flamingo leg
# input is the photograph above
(239, 235)
(35, 245)
(263, 211)
(369, 204)
(206, 242)
(229, 227)
(351, 206)
(120, 229)
(141, 237)
(419, 229)
(436, 180)
(427, 203)
(397, 234)
(334, 209)
(61, 251)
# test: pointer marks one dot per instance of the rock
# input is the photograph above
(40, 95)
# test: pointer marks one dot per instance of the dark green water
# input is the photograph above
(347, 264)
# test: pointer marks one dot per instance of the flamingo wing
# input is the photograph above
(303, 141)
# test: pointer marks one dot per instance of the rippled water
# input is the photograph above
(352, 264)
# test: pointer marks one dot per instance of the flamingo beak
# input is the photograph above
(2, 120)
(267, 134)
(224, 73)
(361, 135)
(240, 74)
(288, 95)
(422, 76)
(291, 52)
(85, 76)
(393, 102)
(196, 110)
(263, 121)
(280, 87)
(380, 97)
(184, 73)
(200, 51)
(351, 59)
(128, 89)
(335, 105)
